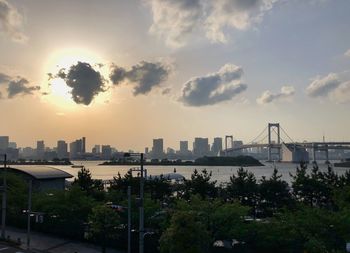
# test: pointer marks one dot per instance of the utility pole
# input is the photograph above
(29, 212)
(4, 193)
(129, 219)
(141, 239)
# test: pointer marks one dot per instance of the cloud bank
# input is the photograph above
(174, 21)
(11, 22)
(214, 88)
(269, 97)
(144, 76)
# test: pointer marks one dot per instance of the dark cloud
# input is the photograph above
(144, 76)
(4, 78)
(214, 88)
(117, 75)
(86, 83)
(20, 87)
(11, 22)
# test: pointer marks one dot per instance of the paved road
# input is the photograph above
(7, 249)
(44, 243)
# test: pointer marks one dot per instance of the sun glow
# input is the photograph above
(58, 92)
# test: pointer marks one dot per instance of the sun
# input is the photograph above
(58, 93)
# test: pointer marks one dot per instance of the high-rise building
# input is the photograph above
(77, 148)
(83, 145)
(157, 149)
(217, 146)
(4, 142)
(183, 147)
(96, 149)
(40, 150)
(106, 152)
(62, 149)
(200, 147)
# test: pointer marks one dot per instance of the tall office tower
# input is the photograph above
(83, 145)
(157, 149)
(183, 147)
(62, 149)
(4, 142)
(40, 150)
(200, 147)
(96, 149)
(106, 152)
(217, 146)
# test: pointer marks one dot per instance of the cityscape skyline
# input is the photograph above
(123, 72)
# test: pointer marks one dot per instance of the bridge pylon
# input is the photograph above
(274, 149)
(227, 137)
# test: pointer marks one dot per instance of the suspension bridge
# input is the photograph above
(281, 147)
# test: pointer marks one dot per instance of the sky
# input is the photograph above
(126, 72)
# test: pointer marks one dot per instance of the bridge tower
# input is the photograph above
(277, 148)
(227, 138)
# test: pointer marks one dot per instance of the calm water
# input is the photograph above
(221, 174)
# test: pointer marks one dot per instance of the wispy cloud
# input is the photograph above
(11, 22)
(269, 97)
(174, 21)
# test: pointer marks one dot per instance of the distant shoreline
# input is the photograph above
(243, 161)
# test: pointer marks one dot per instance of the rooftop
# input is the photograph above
(41, 172)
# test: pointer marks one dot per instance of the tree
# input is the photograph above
(104, 223)
(200, 184)
(312, 189)
(92, 187)
(274, 193)
(243, 188)
(185, 234)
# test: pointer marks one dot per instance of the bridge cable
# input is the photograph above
(287, 135)
(258, 136)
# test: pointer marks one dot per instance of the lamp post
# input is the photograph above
(141, 203)
(4, 193)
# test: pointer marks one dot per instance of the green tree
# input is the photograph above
(243, 188)
(200, 184)
(274, 193)
(104, 224)
(92, 187)
(185, 234)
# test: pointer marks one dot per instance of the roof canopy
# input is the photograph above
(41, 172)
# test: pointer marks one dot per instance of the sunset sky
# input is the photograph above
(124, 72)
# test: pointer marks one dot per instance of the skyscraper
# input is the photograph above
(40, 150)
(157, 149)
(217, 145)
(4, 142)
(183, 147)
(62, 149)
(201, 147)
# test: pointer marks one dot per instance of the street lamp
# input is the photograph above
(4, 193)
(141, 208)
